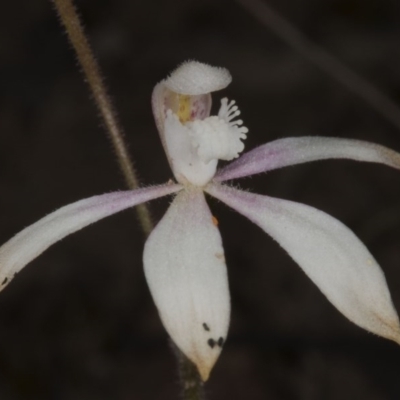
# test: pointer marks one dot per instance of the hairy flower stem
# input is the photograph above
(192, 385)
(70, 19)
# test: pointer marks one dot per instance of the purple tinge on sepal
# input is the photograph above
(290, 151)
(36, 238)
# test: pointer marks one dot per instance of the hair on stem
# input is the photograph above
(73, 26)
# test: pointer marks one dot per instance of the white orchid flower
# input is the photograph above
(184, 258)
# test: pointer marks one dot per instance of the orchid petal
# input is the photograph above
(328, 252)
(290, 151)
(185, 268)
(35, 239)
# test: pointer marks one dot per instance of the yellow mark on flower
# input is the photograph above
(184, 108)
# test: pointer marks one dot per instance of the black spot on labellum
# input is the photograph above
(211, 343)
(220, 341)
(5, 281)
(206, 327)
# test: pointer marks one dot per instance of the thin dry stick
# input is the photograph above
(70, 20)
(192, 386)
(324, 60)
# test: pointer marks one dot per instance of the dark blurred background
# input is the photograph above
(79, 322)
